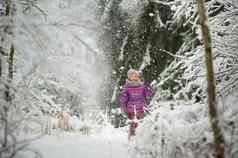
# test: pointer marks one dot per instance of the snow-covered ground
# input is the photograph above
(109, 143)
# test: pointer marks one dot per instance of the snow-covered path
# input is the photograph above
(106, 144)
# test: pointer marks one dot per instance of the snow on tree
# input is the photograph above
(184, 79)
(56, 67)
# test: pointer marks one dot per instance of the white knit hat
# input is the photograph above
(131, 72)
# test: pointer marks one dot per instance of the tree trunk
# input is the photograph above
(0, 66)
(8, 95)
(212, 103)
(10, 74)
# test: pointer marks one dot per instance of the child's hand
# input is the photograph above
(123, 110)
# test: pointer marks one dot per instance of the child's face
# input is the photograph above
(134, 77)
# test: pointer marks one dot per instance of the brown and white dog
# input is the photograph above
(63, 121)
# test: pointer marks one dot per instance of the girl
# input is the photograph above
(133, 98)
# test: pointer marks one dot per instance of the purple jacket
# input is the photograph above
(134, 96)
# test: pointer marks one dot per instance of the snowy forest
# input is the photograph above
(64, 69)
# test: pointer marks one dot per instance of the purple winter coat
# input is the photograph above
(134, 96)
